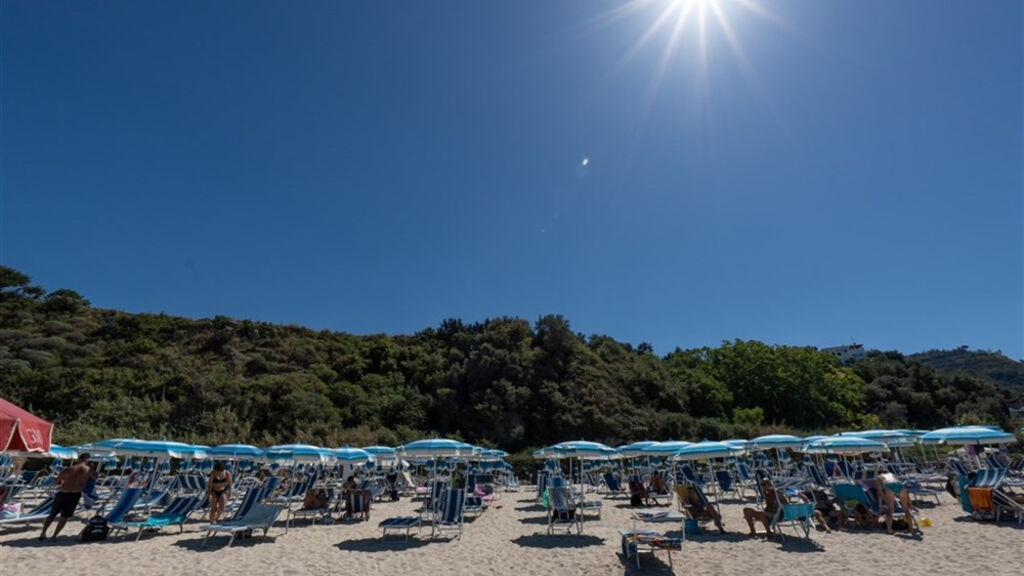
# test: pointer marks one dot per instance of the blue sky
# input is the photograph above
(841, 171)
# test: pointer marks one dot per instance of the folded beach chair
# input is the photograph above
(260, 517)
(177, 512)
(451, 513)
(542, 483)
(564, 510)
(40, 512)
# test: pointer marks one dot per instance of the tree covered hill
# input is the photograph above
(999, 368)
(506, 381)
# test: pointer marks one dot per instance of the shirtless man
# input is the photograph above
(71, 481)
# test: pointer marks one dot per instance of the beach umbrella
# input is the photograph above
(435, 448)
(380, 450)
(22, 431)
(775, 441)
(707, 449)
(667, 448)
(737, 442)
(968, 435)
(235, 452)
(583, 449)
(354, 455)
(62, 453)
(298, 453)
(844, 445)
(632, 450)
(161, 449)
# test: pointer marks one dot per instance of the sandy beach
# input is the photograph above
(510, 538)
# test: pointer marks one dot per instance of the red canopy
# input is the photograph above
(20, 430)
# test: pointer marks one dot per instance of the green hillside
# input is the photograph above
(994, 365)
(506, 381)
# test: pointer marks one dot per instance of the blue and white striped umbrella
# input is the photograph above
(702, 450)
(235, 451)
(150, 448)
(350, 454)
(667, 448)
(737, 442)
(435, 448)
(63, 453)
(775, 441)
(891, 438)
(633, 450)
(582, 449)
(298, 453)
(380, 450)
(844, 445)
(814, 438)
(963, 435)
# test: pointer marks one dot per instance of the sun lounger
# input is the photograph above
(260, 517)
(40, 512)
(797, 515)
(564, 510)
(176, 513)
(406, 523)
(451, 514)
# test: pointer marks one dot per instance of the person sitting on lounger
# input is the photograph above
(772, 502)
(658, 485)
(701, 509)
(315, 499)
(637, 493)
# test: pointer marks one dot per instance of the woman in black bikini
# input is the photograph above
(218, 487)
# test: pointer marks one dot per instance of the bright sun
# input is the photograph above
(679, 18)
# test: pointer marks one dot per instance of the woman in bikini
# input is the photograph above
(218, 487)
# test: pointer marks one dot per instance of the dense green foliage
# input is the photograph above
(996, 366)
(506, 382)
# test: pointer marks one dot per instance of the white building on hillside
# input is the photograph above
(847, 354)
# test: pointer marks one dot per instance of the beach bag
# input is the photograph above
(96, 530)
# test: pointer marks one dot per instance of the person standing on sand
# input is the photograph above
(71, 481)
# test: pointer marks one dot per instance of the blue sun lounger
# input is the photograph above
(406, 523)
(259, 517)
(177, 512)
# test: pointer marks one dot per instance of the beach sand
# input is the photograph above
(510, 538)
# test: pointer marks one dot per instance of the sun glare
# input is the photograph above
(696, 20)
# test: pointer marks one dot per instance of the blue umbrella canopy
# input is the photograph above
(235, 451)
(298, 453)
(667, 448)
(582, 449)
(380, 450)
(775, 441)
(742, 443)
(708, 450)
(968, 435)
(435, 448)
(63, 453)
(844, 445)
(632, 450)
(350, 454)
(813, 438)
(149, 448)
